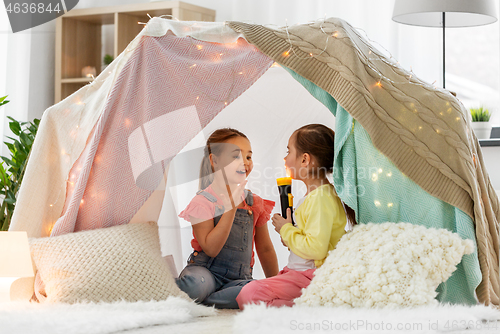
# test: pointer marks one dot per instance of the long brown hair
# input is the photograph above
(217, 137)
(319, 141)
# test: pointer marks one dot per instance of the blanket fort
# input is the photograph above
(102, 155)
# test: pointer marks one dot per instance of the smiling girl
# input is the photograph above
(227, 221)
(320, 219)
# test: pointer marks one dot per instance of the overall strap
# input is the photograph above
(207, 195)
(248, 197)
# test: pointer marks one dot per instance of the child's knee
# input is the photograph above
(197, 282)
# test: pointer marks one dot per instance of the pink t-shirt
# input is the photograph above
(202, 208)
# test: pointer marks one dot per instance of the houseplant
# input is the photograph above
(481, 122)
(12, 168)
(108, 59)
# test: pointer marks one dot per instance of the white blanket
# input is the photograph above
(302, 319)
(24, 317)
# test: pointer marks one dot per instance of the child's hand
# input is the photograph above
(279, 221)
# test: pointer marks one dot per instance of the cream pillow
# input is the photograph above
(386, 265)
(105, 265)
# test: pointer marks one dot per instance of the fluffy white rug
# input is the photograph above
(305, 319)
(100, 318)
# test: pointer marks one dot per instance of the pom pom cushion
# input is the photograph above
(105, 265)
(386, 265)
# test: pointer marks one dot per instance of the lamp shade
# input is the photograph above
(459, 13)
(15, 256)
(16, 267)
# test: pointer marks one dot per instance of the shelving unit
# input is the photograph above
(78, 36)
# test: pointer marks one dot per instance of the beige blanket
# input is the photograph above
(423, 130)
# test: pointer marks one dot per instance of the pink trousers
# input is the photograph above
(279, 290)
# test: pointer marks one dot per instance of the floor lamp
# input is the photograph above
(445, 14)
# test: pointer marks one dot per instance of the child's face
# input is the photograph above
(236, 158)
(293, 163)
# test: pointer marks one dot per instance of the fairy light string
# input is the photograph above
(338, 34)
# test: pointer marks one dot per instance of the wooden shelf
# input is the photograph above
(78, 36)
(77, 80)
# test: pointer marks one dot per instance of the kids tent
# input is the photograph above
(117, 150)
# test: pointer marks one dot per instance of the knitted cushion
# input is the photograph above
(386, 265)
(105, 265)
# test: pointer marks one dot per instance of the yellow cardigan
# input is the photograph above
(320, 223)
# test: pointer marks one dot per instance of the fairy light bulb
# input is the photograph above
(390, 205)
(379, 84)
(199, 47)
(286, 54)
(377, 203)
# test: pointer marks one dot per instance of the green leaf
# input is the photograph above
(19, 149)
(15, 127)
(11, 147)
(7, 160)
(3, 101)
(25, 139)
(10, 200)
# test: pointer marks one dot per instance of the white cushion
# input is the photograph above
(386, 265)
(105, 265)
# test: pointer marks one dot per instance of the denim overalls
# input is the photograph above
(218, 280)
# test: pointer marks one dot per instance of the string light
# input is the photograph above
(377, 203)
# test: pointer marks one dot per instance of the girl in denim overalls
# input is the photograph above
(226, 219)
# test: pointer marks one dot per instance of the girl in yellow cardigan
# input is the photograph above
(320, 219)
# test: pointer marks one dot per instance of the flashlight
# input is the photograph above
(286, 198)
